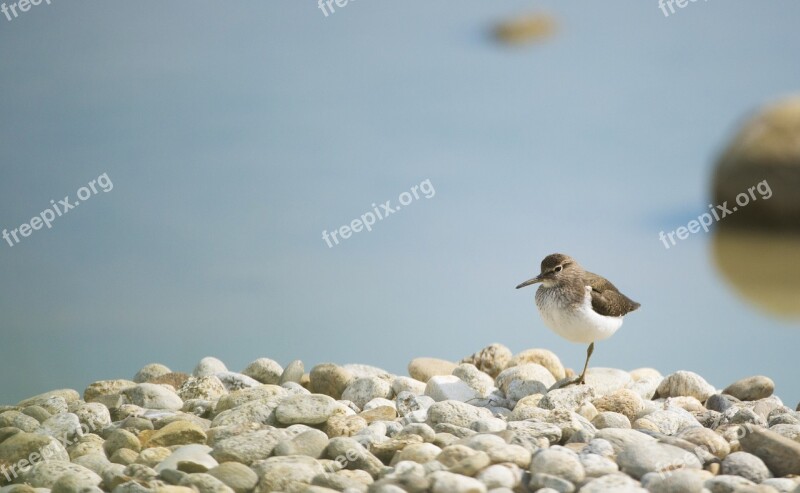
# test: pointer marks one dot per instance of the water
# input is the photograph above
(235, 135)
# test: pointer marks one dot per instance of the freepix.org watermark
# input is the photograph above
(671, 4)
(57, 209)
(717, 213)
(368, 219)
(23, 6)
(327, 5)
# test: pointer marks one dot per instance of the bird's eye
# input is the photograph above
(557, 269)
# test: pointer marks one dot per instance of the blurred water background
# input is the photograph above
(235, 134)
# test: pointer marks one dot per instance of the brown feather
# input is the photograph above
(606, 298)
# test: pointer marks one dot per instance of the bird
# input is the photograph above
(578, 305)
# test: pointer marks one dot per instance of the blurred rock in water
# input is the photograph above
(525, 29)
(764, 267)
(766, 148)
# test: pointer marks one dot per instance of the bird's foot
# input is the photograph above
(581, 380)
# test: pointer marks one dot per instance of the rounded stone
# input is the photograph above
(238, 477)
(685, 383)
(329, 379)
(764, 150)
(491, 360)
(119, 439)
(751, 388)
(558, 461)
(177, 433)
(544, 357)
(423, 369)
(150, 372)
(264, 370)
(362, 390)
(609, 419)
(745, 465)
(209, 366)
(293, 372)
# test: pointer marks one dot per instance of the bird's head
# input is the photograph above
(555, 269)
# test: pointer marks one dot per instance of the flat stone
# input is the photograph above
(177, 433)
(544, 357)
(195, 454)
(727, 484)
(449, 387)
(568, 398)
(780, 454)
(751, 388)
(617, 483)
(423, 369)
(102, 388)
(456, 413)
(638, 459)
(44, 474)
(238, 477)
(311, 409)
(608, 419)
(679, 481)
(607, 380)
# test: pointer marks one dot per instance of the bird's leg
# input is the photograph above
(582, 379)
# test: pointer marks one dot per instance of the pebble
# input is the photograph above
(745, 465)
(608, 419)
(329, 379)
(493, 422)
(447, 482)
(362, 390)
(312, 409)
(544, 357)
(293, 372)
(525, 379)
(570, 398)
(685, 383)
(491, 360)
(751, 388)
(639, 459)
(455, 413)
(150, 372)
(780, 454)
(44, 474)
(678, 481)
(558, 461)
(153, 396)
(264, 370)
(209, 366)
(423, 369)
(607, 380)
(449, 387)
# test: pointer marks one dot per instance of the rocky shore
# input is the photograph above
(495, 422)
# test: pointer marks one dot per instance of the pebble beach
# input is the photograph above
(493, 422)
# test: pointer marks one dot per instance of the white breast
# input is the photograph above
(576, 323)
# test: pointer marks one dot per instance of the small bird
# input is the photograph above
(578, 305)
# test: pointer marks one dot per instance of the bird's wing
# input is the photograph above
(606, 298)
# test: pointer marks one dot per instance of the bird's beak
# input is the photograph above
(531, 281)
